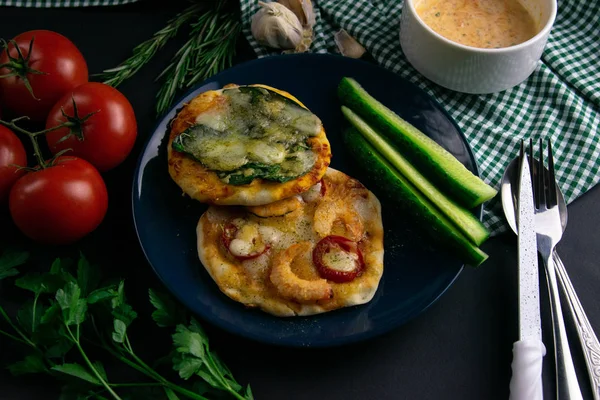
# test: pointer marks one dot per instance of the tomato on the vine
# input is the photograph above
(12, 154)
(61, 203)
(103, 129)
(42, 67)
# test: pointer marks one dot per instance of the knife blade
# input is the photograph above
(529, 298)
(528, 351)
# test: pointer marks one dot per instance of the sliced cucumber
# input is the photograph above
(436, 163)
(400, 190)
(470, 226)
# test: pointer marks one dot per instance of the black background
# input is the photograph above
(460, 348)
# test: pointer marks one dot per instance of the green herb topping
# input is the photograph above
(257, 133)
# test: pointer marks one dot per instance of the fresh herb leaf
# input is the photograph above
(51, 335)
(171, 394)
(46, 326)
(186, 366)
(100, 369)
(30, 315)
(51, 313)
(31, 364)
(77, 371)
(122, 310)
(73, 307)
(9, 260)
(40, 283)
(119, 295)
(210, 378)
(249, 394)
(125, 313)
(61, 346)
(224, 370)
(87, 277)
(32, 282)
(167, 312)
(119, 331)
(101, 294)
(189, 342)
(60, 268)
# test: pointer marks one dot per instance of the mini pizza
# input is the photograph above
(246, 145)
(303, 255)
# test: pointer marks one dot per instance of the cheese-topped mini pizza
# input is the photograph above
(246, 145)
(304, 255)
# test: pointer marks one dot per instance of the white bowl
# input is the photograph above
(471, 69)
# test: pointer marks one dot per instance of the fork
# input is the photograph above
(549, 233)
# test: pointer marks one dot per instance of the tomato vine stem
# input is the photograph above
(74, 122)
(19, 66)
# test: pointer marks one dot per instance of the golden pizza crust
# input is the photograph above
(250, 282)
(205, 186)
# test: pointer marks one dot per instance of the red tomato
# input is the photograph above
(59, 204)
(12, 153)
(106, 138)
(54, 55)
(337, 243)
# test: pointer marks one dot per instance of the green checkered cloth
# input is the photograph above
(560, 100)
(62, 3)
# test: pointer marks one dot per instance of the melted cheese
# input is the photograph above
(249, 282)
(269, 234)
(340, 260)
(247, 239)
(266, 153)
(224, 155)
(214, 119)
(312, 194)
(240, 248)
(252, 133)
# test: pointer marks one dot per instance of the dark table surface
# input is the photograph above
(460, 348)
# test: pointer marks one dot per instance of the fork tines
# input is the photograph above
(544, 181)
(552, 187)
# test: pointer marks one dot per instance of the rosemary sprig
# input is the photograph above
(144, 52)
(210, 49)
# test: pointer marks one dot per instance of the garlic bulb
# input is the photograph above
(276, 26)
(348, 46)
(303, 10)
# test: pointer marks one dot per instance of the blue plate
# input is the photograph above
(415, 273)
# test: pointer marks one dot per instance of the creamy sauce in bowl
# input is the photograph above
(479, 23)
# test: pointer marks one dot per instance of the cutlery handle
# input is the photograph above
(526, 381)
(567, 386)
(587, 337)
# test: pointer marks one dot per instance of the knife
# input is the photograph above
(528, 351)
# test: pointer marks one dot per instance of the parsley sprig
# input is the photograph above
(70, 311)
